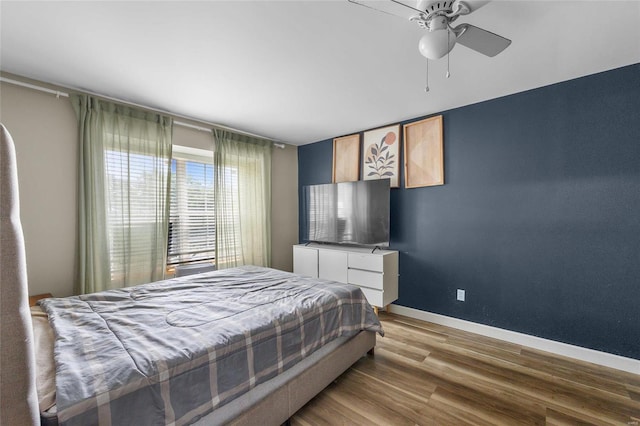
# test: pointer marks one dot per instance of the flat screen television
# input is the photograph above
(355, 213)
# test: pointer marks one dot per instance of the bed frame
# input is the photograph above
(275, 401)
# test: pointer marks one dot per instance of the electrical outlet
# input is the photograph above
(460, 295)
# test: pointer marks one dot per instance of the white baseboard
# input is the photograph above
(589, 355)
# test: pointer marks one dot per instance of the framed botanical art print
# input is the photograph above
(423, 158)
(346, 158)
(381, 155)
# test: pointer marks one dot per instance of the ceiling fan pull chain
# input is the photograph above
(426, 87)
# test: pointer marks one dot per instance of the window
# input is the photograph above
(192, 227)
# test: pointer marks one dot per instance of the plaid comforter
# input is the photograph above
(172, 351)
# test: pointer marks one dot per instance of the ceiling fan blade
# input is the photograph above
(480, 40)
(464, 7)
(398, 8)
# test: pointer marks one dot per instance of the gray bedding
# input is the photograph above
(172, 351)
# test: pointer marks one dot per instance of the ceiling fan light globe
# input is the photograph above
(435, 44)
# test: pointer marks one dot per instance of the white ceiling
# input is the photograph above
(303, 71)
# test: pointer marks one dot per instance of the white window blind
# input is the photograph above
(192, 227)
(135, 193)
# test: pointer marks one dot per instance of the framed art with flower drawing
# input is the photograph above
(380, 157)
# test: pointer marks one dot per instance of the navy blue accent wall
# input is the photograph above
(539, 217)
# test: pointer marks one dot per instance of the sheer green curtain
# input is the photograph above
(242, 167)
(124, 172)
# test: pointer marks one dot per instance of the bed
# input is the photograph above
(173, 351)
(165, 352)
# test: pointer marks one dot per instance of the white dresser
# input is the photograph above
(376, 273)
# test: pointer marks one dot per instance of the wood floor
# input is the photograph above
(427, 374)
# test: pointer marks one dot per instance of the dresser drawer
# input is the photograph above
(365, 278)
(366, 261)
(374, 297)
(332, 265)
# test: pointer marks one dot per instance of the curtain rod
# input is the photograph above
(33, 86)
(208, 130)
(58, 93)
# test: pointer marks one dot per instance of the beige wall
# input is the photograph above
(193, 138)
(284, 207)
(44, 130)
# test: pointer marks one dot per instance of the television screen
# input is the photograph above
(347, 213)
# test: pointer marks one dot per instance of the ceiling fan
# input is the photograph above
(436, 17)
